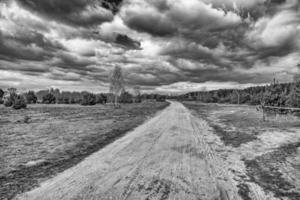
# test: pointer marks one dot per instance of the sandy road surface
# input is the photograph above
(171, 156)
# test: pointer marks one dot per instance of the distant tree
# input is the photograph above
(101, 98)
(88, 99)
(294, 98)
(137, 94)
(19, 102)
(1, 96)
(49, 99)
(1, 93)
(160, 98)
(66, 100)
(31, 98)
(72, 100)
(272, 96)
(10, 99)
(12, 90)
(116, 83)
(126, 97)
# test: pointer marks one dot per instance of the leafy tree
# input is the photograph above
(294, 98)
(126, 97)
(1, 96)
(137, 94)
(1, 93)
(49, 99)
(88, 99)
(272, 96)
(116, 83)
(161, 98)
(12, 94)
(66, 100)
(101, 98)
(31, 98)
(19, 102)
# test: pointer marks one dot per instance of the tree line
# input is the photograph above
(117, 94)
(274, 94)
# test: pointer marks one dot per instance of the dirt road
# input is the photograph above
(172, 156)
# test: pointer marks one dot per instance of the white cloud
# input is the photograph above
(275, 31)
(183, 87)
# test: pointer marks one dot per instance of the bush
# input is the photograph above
(89, 99)
(8, 103)
(126, 98)
(161, 99)
(49, 99)
(101, 98)
(1, 94)
(19, 102)
(31, 97)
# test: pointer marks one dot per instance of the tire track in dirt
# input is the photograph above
(217, 168)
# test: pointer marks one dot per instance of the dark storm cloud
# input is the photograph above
(156, 43)
(150, 23)
(127, 42)
(75, 12)
(71, 61)
(28, 45)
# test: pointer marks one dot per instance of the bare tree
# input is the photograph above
(116, 83)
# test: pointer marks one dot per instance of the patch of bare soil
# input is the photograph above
(268, 171)
(233, 138)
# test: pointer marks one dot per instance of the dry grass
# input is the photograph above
(268, 151)
(43, 140)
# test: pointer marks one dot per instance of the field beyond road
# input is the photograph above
(43, 140)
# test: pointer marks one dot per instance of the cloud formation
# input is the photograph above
(161, 45)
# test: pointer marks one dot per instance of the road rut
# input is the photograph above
(171, 156)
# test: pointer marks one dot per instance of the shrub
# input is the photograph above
(10, 99)
(49, 99)
(66, 100)
(101, 98)
(1, 94)
(89, 99)
(19, 102)
(294, 98)
(72, 101)
(126, 98)
(8, 102)
(160, 98)
(31, 98)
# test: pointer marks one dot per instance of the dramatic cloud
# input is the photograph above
(75, 12)
(161, 45)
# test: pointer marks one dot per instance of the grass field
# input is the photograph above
(43, 140)
(266, 153)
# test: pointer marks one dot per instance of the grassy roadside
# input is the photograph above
(41, 141)
(269, 150)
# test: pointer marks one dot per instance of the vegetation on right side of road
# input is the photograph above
(275, 94)
(269, 150)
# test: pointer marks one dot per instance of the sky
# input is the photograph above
(165, 46)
